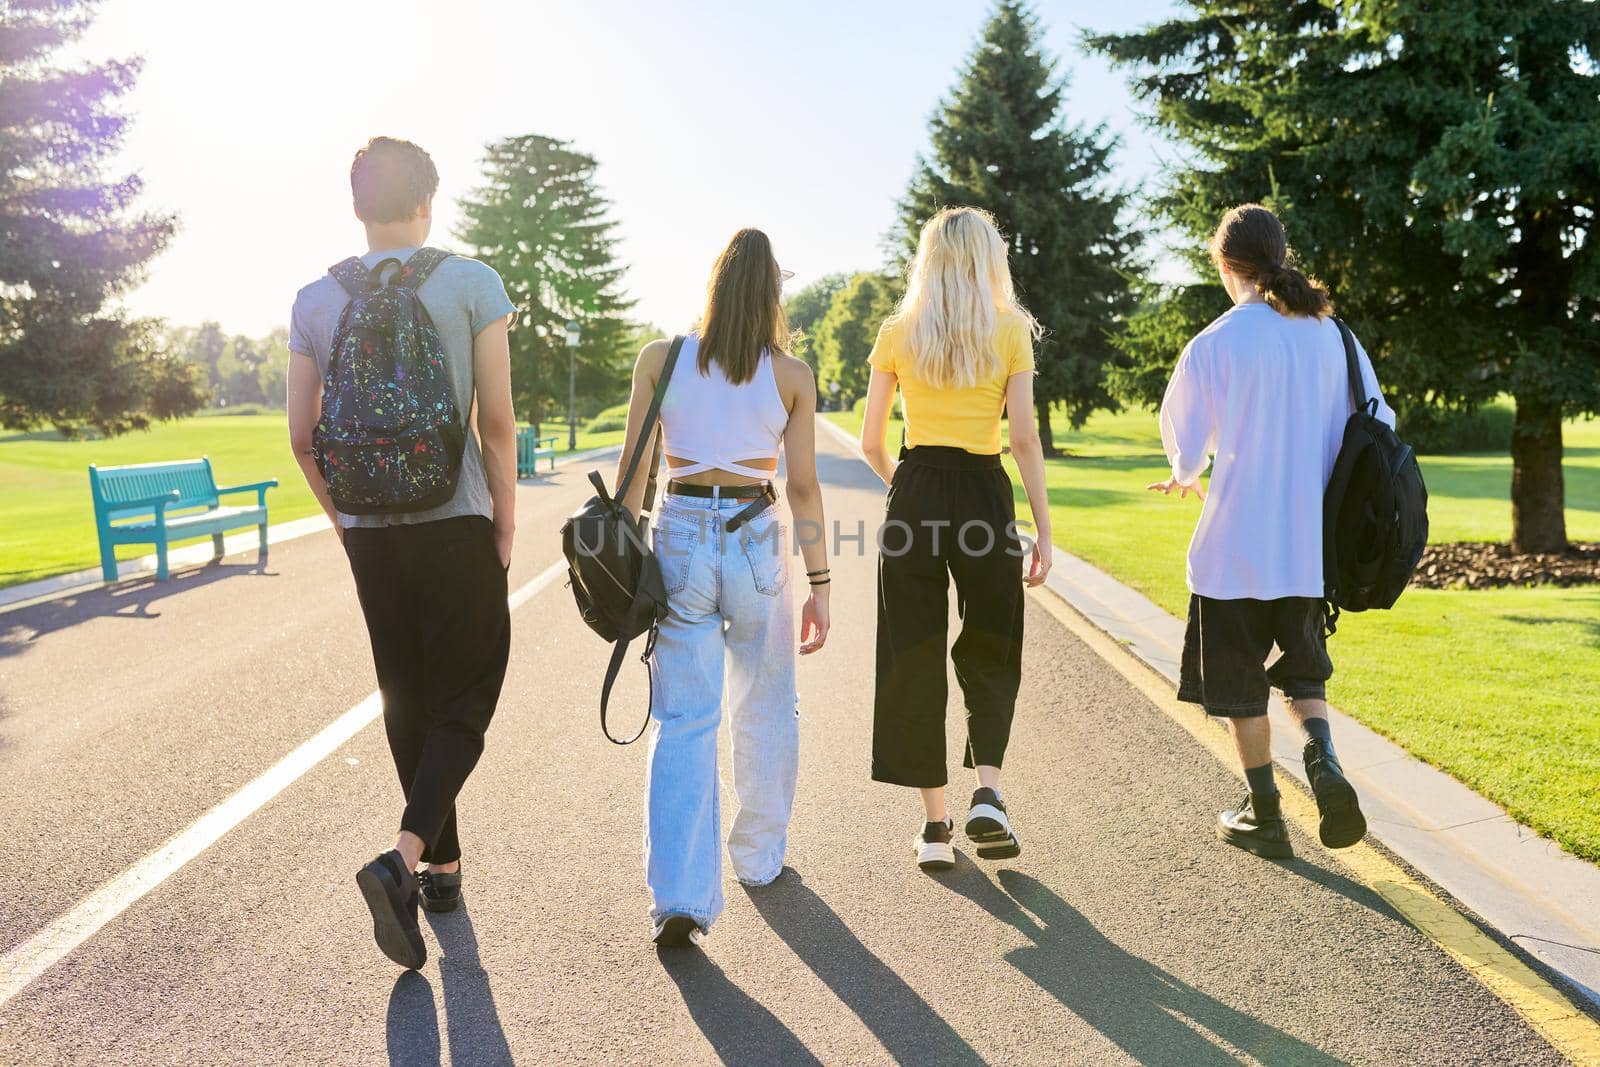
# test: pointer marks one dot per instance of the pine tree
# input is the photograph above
(999, 142)
(70, 242)
(1435, 164)
(541, 221)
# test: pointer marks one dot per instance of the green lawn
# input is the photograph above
(1496, 687)
(48, 526)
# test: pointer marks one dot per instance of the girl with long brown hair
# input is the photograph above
(734, 397)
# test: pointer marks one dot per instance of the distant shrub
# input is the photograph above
(859, 408)
(244, 409)
(1434, 430)
(613, 419)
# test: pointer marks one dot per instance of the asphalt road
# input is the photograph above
(1124, 933)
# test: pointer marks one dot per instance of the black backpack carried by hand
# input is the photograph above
(1375, 509)
(614, 576)
(390, 438)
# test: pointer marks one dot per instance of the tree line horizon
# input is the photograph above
(1437, 169)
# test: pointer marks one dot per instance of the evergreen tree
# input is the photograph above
(1435, 165)
(541, 221)
(70, 242)
(846, 333)
(999, 142)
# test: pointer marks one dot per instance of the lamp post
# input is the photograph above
(572, 386)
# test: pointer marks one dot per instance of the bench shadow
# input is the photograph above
(134, 598)
(909, 1028)
(740, 1028)
(1151, 1015)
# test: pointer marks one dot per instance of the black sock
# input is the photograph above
(1317, 730)
(1260, 779)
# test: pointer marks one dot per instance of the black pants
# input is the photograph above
(950, 514)
(434, 597)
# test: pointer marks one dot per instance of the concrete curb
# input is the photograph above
(1523, 885)
(29, 593)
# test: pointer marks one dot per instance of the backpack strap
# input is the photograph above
(352, 276)
(1352, 366)
(419, 266)
(613, 669)
(651, 431)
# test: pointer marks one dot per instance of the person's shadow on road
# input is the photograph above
(412, 1024)
(472, 1021)
(1151, 1015)
(909, 1028)
(739, 1027)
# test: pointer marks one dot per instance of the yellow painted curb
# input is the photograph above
(1547, 1009)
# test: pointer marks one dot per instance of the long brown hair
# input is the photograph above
(744, 308)
(1251, 244)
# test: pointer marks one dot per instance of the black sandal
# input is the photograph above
(439, 892)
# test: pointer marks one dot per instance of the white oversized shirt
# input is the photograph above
(1268, 396)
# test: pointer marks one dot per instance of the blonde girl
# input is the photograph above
(960, 349)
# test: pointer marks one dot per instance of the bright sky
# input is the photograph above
(804, 120)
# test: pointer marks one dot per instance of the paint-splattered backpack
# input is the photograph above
(390, 438)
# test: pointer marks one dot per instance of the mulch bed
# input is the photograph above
(1489, 564)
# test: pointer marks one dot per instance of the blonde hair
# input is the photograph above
(958, 286)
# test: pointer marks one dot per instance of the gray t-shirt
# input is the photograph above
(462, 297)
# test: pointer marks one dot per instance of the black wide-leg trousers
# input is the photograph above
(434, 597)
(950, 514)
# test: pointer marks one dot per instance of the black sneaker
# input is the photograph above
(989, 829)
(1342, 823)
(677, 931)
(439, 892)
(933, 848)
(1257, 827)
(391, 895)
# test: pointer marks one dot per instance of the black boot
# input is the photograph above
(1257, 827)
(1342, 823)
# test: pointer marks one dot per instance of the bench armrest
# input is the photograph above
(258, 488)
(548, 440)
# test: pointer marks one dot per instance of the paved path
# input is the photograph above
(1125, 932)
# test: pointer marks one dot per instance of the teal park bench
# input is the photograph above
(531, 449)
(158, 503)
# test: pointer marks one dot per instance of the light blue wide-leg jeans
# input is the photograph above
(728, 639)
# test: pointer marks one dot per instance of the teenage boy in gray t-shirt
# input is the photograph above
(432, 584)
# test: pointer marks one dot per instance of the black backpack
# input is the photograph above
(614, 576)
(1375, 509)
(390, 438)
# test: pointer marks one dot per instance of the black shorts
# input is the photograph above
(1226, 645)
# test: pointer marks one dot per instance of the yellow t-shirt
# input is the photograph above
(966, 418)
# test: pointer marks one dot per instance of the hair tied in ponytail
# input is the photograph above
(1250, 244)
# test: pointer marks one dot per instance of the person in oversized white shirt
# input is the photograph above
(1261, 397)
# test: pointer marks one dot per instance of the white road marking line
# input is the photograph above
(27, 961)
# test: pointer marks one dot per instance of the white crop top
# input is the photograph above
(713, 424)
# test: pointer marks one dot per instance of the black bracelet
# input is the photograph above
(825, 581)
(813, 574)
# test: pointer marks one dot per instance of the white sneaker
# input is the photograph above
(933, 848)
(989, 829)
